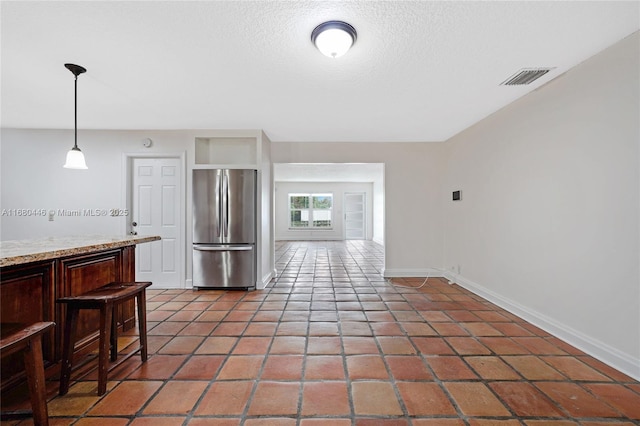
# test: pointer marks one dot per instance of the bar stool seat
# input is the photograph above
(18, 337)
(104, 298)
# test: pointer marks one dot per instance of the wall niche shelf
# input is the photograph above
(227, 151)
(240, 149)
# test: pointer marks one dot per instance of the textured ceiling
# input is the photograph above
(419, 71)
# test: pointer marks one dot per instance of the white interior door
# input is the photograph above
(354, 216)
(156, 210)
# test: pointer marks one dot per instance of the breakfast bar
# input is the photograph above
(34, 273)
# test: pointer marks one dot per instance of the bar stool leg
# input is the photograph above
(142, 324)
(67, 349)
(114, 334)
(34, 367)
(106, 313)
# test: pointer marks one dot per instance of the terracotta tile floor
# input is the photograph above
(330, 342)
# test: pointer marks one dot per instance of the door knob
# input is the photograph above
(134, 223)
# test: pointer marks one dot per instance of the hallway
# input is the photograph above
(331, 342)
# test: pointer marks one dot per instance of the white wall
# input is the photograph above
(549, 221)
(378, 206)
(283, 232)
(267, 233)
(32, 177)
(413, 183)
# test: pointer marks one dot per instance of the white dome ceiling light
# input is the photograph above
(334, 38)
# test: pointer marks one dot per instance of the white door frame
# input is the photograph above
(127, 198)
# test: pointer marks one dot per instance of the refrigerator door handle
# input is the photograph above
(218, 203)
(225, 188)
(222, 248)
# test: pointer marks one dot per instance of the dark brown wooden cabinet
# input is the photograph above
(28, 293)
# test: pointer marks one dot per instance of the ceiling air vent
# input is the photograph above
(525, 76)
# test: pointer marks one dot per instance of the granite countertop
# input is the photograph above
(17, 252)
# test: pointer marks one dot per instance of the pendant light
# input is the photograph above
(75, 157)
(334, 38)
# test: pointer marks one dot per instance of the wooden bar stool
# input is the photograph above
(18, 337)
(105, 299)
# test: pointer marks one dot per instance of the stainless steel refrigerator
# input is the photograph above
(224, 228)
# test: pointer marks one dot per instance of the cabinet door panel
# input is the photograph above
(27, 296)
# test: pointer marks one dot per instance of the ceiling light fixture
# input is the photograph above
(75, 157)
(334, 38)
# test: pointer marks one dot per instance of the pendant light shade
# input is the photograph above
(334, 38)
(75, 157)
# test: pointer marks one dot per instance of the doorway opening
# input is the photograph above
(346, 183)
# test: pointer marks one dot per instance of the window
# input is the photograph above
(310, 210)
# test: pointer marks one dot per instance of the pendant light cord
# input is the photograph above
(75, 113)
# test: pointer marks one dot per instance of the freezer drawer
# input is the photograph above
(224, 266)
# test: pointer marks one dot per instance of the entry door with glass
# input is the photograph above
(354, 216)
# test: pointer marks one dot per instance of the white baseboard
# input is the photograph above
(605, 353)
(188, 283)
